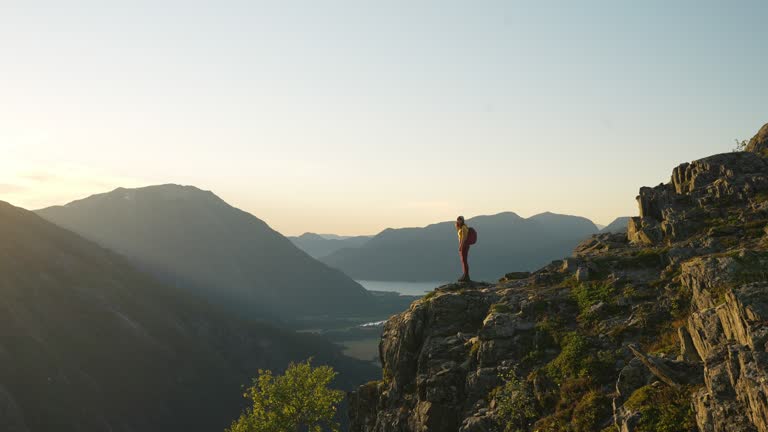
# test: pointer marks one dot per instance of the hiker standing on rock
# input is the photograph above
(467, 237)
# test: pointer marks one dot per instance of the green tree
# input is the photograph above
(299, 400)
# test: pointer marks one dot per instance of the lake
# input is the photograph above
(404, 288)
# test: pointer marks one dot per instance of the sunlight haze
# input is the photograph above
(349, 117)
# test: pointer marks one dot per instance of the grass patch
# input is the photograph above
(590, 411)
(574, 360)
(663, 409)
(501, 308)
(589, 294)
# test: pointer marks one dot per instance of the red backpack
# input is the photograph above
(471, 236)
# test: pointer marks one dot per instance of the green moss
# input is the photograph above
(386, 374)
(752, 267)
(474, 349)
(549, 331)
(761, 197)
(591, 293)
(574, 359)
(429, 295)
(650, 257)
(501, 308)
(590, 412)
(663, 409)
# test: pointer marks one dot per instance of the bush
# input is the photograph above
(574, 360)
(590, 294)
(663, 409)
(515, 407)
(590, 411)
(298, 400)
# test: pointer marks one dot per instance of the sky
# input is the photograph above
(349, 117)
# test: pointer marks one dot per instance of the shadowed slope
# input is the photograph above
(87, 343)
(195, 240)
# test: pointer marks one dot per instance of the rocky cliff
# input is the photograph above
(662, 328)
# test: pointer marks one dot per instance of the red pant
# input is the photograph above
(464, 254)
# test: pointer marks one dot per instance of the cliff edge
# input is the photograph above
(663, 327)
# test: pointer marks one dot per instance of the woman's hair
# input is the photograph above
(460, 219)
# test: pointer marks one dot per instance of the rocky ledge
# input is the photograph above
(663, 328)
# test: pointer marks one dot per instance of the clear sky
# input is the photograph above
(353, 116)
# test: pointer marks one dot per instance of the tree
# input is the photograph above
(299, 400)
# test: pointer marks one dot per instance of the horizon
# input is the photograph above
(349, 118)
(470, 217)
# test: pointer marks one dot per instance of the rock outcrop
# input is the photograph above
(759, 143)
(664, 327)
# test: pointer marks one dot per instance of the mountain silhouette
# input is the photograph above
(193, 239)
(507, 242)
(88, 343)
(619, 225)
(320, 245)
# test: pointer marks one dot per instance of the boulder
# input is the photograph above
(644, 231)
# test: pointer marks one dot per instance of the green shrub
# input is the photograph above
(645, 258)
(590, 412)
(515, 406)
(301, 399)
(590, 294)
(663, 409)
(574, 360)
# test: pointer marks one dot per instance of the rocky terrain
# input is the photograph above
(661, 328)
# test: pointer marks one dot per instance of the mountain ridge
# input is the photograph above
(89, 343)
(192, 238)
(429, 253)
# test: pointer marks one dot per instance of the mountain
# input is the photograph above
(320, 245)
(506, 242)
(619, 225)
(88, 343)
(339, 237)
(660, 328)
(193, 239)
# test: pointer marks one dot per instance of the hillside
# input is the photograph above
(619, 225)
(318, 246)
(662, 328)
(194, 240)
(87, 343)
(507, 242)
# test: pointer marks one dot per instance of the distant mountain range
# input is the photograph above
(88, 343)
(320, 245)
(617, 226)
(507, 242)
(194, 240)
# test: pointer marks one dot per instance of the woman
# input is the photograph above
(463, 230)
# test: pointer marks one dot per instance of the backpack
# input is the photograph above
(471, 236)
